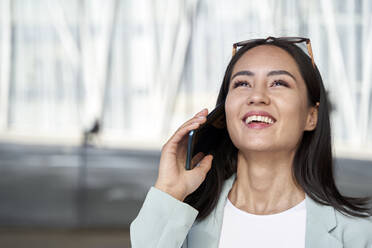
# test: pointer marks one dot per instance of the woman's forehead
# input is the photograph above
(266, 57)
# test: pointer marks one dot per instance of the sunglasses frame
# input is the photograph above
(292, 40)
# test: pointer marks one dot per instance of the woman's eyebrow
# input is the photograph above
(281, 72)
(271, 73)
(245, 73)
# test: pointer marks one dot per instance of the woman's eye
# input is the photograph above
(240, 83)
(279, 83)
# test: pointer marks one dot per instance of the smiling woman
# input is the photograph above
(271, 180)
(273, 85)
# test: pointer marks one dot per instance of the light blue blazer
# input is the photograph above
(165, 222)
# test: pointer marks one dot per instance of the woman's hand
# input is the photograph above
(173, 178)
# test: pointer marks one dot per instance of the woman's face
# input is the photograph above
(266, 105)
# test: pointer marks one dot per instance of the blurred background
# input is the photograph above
(90, 90)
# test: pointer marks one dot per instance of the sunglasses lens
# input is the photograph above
(243, 43)
(292, 39)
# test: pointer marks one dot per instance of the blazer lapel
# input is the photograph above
(206, 233)
(320, 221)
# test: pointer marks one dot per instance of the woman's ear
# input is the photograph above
(312, 118)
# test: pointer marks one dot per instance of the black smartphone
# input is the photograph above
(203, 138)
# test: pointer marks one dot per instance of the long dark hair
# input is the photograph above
(313, 161)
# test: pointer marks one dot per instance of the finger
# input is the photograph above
(180, 134)
(181, 131)
(199, 117)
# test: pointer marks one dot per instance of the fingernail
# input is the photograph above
(200, 112)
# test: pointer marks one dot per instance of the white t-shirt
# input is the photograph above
(242, 229)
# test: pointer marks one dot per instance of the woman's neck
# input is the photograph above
(264, 184)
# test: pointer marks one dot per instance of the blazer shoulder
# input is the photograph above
(354, 230)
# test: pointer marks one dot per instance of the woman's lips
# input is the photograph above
(258, 113)
(258, 125)
(258, 119)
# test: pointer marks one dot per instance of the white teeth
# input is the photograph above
(259, 118)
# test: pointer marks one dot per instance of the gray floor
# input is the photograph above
(46, 186)
(52, 196)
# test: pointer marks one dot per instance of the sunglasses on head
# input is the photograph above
(292, 40)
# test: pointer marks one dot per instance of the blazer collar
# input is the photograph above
(320, 221)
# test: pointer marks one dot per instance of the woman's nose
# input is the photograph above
(258, 96)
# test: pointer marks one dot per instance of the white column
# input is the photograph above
(5, 56)
(366, 86)
(346, 100)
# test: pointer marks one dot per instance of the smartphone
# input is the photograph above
(207, 135)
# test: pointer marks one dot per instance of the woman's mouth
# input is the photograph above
(258, 121)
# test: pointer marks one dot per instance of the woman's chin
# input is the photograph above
(258, 147)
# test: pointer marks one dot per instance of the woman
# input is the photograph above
(269, 182)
